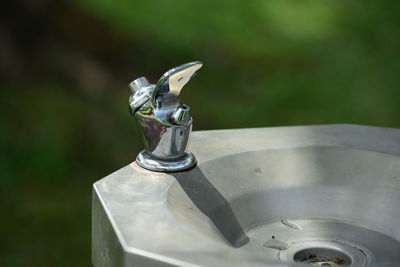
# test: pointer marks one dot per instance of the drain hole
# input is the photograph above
(322, 257)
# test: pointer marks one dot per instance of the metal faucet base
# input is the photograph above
(184, 162)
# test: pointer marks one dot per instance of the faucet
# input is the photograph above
(164, 123)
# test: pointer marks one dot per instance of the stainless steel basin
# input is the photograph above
(286, 196)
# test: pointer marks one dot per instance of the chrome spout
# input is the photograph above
(181, 114)
(165, 124)
(171, 83)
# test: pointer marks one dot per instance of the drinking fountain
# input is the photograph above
(322, 195)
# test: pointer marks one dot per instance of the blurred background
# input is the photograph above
(65, 67)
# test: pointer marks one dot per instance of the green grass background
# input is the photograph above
(65, 66)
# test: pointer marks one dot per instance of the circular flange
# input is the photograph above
(330, 253)
(181, 163)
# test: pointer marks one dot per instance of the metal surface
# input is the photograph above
(164, 123)
(287, 196)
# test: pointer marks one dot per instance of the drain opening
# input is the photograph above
(322, 257)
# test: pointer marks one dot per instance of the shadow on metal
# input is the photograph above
(211, 202)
